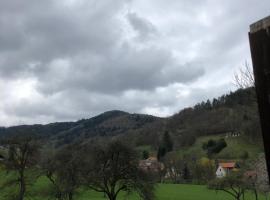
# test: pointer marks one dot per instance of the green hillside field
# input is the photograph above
(236, 147)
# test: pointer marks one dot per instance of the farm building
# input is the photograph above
(151, 164)
(225, 167)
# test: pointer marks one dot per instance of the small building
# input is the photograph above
(233, 134)
(151, 164)
(225, 168)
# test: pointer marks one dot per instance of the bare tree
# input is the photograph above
(244, 78)
(232, 184)
(62, 168)
(113, 168)
(23, 154)
(174, 167)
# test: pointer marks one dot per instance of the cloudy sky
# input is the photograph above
(70, 59)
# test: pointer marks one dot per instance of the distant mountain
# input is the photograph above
(111, 123)
(233, 112)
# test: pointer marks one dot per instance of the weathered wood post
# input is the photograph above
(259, 38)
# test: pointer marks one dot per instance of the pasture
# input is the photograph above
(40, 190)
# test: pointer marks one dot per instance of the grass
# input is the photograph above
(163, 192)
(175, 192)
(236, 146)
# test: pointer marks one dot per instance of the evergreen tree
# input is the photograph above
(145, 154)
(186, 172)
(161, 152)
(167, 142)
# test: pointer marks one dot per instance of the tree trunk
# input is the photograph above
(22, 186)
(256, 194)
(238, 197)
(70, 196)
(112, 196)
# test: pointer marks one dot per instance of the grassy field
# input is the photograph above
(163, 192)
(176, 192)
(235, 147)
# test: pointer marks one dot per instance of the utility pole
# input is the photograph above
(259, 39)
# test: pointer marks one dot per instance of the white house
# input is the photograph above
(225, 168)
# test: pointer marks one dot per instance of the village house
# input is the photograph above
(151, 164)
(233, 134)
(225, 168)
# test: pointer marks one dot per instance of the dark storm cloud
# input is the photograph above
(91, 44)
(127, 69)
(63, 60)
(42, 33)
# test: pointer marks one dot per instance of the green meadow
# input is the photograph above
(40, 190)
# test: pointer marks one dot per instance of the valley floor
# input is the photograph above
(163, 192)
(176, 192)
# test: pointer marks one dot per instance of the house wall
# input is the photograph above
(221, 172)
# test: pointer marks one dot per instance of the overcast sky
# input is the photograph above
(70, 59)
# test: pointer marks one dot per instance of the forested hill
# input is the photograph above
(110, 123)
(232, 112)
(235, 112)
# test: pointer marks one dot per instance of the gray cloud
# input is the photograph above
(127, 69)
(143, 27)
(63, 60)
(48, 31)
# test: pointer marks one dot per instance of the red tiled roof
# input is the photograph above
(227, 165)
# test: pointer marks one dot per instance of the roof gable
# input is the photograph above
(228, 165)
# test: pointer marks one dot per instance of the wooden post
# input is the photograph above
(259, 39)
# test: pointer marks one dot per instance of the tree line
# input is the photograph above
(106, 167)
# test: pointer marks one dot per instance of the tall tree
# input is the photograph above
(145, 154)
(113, 168)
(214, 146)
(23, 155)
(62, 168)
(174, 166)
(232, 184)
(167, 142)
(165, 146)
(161, 152)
